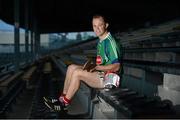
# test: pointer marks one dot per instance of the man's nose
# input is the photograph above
(97, 28)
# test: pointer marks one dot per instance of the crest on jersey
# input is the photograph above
(99, 60)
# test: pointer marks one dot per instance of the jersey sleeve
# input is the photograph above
(114, 52)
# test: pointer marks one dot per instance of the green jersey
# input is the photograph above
(109, 52)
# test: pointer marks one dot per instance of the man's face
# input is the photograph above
(99, 26)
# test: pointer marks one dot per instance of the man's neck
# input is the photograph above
(104, 36)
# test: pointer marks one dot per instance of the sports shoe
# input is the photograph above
(54, 106)
(51, 100)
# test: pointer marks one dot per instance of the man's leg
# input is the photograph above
(92, 79)
(70, 70)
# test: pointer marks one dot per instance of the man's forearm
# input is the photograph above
(111, 67)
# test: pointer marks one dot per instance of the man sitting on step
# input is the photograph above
(105, 74)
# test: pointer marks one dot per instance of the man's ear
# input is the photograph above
(107, 24)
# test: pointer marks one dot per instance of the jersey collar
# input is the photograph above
(105, 37)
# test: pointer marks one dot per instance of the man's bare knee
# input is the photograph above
(73, 67)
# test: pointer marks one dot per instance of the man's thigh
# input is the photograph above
(92, 79)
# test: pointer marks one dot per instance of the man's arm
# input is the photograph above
(111, 67)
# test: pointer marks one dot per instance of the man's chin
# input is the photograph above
(98, 35)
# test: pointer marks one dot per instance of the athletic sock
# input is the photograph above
(66, 101)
